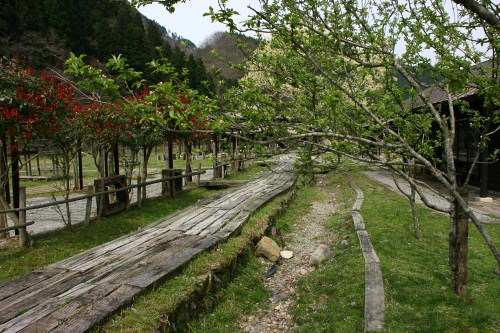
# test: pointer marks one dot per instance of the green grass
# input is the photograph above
(331, 298)
(240, 300)
(51, 248)
(416, 274)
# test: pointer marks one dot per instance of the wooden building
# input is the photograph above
(486, 174)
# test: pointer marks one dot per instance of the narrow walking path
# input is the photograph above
(485, 210)
(75, 294)
(308, 233)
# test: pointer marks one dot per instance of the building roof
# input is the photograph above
(436, 94)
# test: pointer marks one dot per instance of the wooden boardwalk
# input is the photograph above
(75, 294)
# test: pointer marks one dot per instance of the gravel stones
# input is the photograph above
(308, 234)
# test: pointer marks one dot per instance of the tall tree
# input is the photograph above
(354, 53)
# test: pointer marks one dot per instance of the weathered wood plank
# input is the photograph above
(20, 322)
(136, 245)
(99, 309)
(182, 215)
(138, 257)
(28, 298)
(56, 310)
(26, 281)
(234, 227)
(181, 256)
(198, 217)
(75, 294)
(219, 223)
(218, 216)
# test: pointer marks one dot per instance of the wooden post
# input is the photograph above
(170, 151)
(198, 176)
(189, 169)
(88, 207)
(14, 155)
(116, 159)
(171, 183)
(139, 192)
(23, 235)
(144, 179)
(3, 217)
(483, 173)
(80, 166)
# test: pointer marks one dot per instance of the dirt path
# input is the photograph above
(308, 233)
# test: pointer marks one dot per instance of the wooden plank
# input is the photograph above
(26, 300)
(110, 255)
(19, 323)
(218, 224)
(259, 201)
(367, 247)
(26, 281)
(170, 219)
(180, 257)
(223, 183)
(188, 219)
(374, 298)
(196, 219)
(234, 227)
(98, 250)
(221, 216)
(99, 310)
(41, 317)
(75, 294)
(241, 191)
(137, 257)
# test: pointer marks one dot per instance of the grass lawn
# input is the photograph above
(416, 274)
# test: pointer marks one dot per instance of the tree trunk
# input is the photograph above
(459, 233)
(416, 223)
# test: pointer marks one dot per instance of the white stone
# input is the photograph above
(285, 254)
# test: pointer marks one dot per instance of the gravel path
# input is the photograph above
(49, 219)
(308, 233)
(484, 211)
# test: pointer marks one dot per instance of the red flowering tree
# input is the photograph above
(150, 116)
(40, 106)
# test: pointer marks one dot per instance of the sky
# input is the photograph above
(188, 20)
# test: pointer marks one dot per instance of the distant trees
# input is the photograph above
(43, 33)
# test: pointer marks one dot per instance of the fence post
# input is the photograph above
(88, 207)
(3, 216)
(144, 179)
(23, 235)
(139, 192)
(198, 175)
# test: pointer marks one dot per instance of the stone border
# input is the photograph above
(374, 285)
